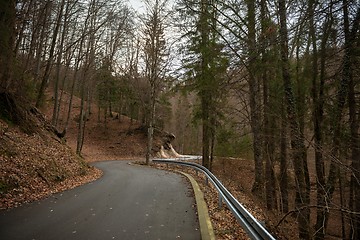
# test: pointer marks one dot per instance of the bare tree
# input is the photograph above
(45, 78)
(155, 56)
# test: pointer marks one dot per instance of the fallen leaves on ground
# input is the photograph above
(225, 225)
(34, 166)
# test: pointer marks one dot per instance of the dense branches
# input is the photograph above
(294, 57)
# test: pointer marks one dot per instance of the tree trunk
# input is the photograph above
(43, 39)
(205, 134)
(81, 126)
(269, 136)
(55, 115)
(345, 87)
(204, 75)
(297, 143)
(7, 39)
(88, 65)
(151, 124)
(255, 116)
(75, 76)
(24, 16)
(36, 30)
(45, 78)
(283, 163)
(318, 116)
(354, 119)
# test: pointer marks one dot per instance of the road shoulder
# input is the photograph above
(206, 229)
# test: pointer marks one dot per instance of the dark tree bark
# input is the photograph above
(350, 49)
(344, 91)
(45, 78)
(87, 74)
(268, 121)
(204, 96)
(297, 143)
(283, 163)
(318, 84)
(7, 39)
(254, 87)
(56, 105)
(40, 42)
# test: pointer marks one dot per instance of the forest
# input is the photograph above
(275, 82)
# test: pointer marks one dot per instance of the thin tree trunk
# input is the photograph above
(24, 23)
(56, 106)
(283, 163)
(73, 87)
(65, 78)
(42, 40)
(151, 124)
(269, 136)
(34, 38)
(88, 66)
(205, 95)
(205, 134)
(81, 126)
(45, 78)
(342, 202)
(77, 69)
(212, 141)
(254, 88)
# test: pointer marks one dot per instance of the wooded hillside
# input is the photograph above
(34, 161)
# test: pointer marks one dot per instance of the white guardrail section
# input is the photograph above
(250, 224)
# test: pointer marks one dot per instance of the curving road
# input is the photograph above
(129, 203)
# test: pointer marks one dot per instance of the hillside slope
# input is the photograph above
(115, 138)
(34, 162)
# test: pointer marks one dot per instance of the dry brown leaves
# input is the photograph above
(33, 167)
(224, 223)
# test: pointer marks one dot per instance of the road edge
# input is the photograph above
(206, 228)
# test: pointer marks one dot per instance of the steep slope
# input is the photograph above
(34, 161)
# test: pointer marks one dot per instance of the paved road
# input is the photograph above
(128, 203)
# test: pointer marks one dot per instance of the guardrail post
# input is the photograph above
(220, 201)
(206, 181)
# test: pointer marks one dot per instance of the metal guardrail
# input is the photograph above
(250, 224)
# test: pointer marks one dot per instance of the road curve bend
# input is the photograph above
(129, 202)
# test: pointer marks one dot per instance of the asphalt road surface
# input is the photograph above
(128, 202)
